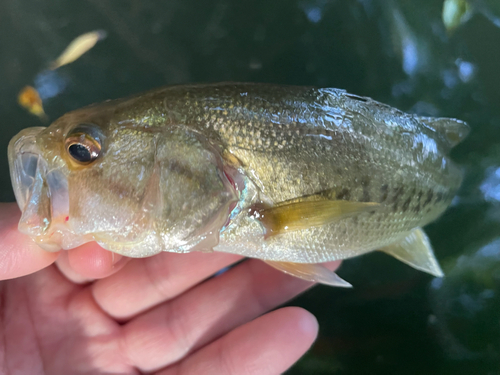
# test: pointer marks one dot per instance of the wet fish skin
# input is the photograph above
(221, 145)
(295, 142)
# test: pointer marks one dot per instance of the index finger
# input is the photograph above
(19, 255)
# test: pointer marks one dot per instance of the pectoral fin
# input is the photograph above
(310, 272)
(415, 250)
(310, 213)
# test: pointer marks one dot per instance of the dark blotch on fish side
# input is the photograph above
(430, 195)
(365, 182)
(384, 190)
(406, 204)
(439, 197)
(398, 192)
(419, 197)
(344, 194)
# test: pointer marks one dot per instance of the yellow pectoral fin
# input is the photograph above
(306, 214)
(415, 250)
(311, 272)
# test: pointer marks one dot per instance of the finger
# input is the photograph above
(93, 262)
(57, 322)
(268, 345)
(89, 262)
(172, 330)
(19, 255)
(64, 267)
(147, 282)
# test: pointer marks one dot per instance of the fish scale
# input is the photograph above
(289, 148)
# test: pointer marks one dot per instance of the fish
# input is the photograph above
(77, 48)
(456, 13)
(29, 99)
(295, 176)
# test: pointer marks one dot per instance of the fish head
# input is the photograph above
(133, 189)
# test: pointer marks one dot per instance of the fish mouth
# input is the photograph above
(41, 191)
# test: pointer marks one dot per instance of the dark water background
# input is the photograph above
(396, 320)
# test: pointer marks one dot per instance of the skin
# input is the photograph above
(89, 311)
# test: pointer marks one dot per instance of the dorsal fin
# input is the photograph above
(452, 131)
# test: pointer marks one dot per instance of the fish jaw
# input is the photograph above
(41, 191)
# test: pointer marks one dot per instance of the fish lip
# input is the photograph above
(22, 147)
(30, 171)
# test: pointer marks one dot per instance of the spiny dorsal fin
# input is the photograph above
(309, 213)
(415, 250)
(453, 131)
(311, 272)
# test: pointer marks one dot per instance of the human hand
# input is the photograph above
(93, 312)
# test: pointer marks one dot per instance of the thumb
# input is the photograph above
(19, 255)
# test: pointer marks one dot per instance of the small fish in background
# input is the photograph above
(29, 98)
(48, 83)
(78, 47)
(458, 12)
(455, 13)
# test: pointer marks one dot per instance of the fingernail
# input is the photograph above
(309, 324)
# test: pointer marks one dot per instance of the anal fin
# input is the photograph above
(311, 272)
(287, 217)
(416, 251)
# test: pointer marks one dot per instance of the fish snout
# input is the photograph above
(24, 163)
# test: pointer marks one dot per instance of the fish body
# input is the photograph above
(295, 176)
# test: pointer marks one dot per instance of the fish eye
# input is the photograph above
(84, 143)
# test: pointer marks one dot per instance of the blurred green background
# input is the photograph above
(396, 320)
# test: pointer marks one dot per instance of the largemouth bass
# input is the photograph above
(295, 176)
